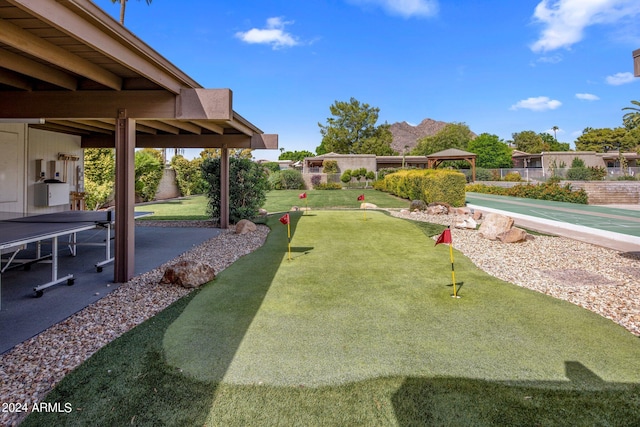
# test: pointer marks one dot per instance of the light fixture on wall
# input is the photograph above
(27, 121)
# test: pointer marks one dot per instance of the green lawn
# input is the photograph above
(283, 200)
(195, 207)
(359, 329)
(185, 208)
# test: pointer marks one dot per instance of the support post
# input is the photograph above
(124, 262)
(224, 187)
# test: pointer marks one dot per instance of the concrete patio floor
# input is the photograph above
(22, 315)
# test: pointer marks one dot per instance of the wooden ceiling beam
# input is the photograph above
(80, 18)
(185, 126)
(141, 104)
(36, 70)
(33, 45)
(163, 126)
(209, 126)
(14, 80)
(77, 125)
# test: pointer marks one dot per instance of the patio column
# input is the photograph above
(124, 263)
(224, 187)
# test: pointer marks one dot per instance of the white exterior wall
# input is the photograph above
(20, 148)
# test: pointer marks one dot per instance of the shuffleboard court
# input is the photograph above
(611, 227)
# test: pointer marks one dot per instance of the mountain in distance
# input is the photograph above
(406, 135)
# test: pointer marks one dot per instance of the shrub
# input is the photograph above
(592, 173)
(386, 171)
(346, 176)
(328, 186)
(577, 163)
(189, 175)
(330, 166)
(287, 179)
(316, 180)
(550, 190)
(99, 176)
(148, 173)
(272, 166)
(482, 174)
(578, 174)
(428, 185)
(247, 187)
(626, 178)
(513, 177)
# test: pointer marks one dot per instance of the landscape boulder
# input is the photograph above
(368, 206)
(466, 222)
(495, 224)
(417, 205)
(437, 210)
(514, 235)
(245, 226)
(188, 274)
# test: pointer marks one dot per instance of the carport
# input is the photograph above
(66, 66)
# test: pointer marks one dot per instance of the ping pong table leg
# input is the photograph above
(54, 271)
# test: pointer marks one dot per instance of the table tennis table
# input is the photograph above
(17, 231)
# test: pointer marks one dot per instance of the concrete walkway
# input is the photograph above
(608, 226)
(23, 316)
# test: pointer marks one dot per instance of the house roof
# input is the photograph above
(452, 153)
(71, 64)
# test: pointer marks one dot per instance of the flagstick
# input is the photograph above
(453, 273)
(289, 237)
(365, 212)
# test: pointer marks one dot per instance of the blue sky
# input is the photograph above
(500, 66)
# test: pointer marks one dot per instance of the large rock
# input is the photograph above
(514, 235)
(417, 205)
(188, 274)
(495, 224)
(245, 226)
(368, 206)
(468, 223)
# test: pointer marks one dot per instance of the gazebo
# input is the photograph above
(435, 159)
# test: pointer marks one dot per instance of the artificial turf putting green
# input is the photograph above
(358, 329)
(368, 299)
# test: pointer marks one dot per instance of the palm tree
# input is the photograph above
(631, 120)
(123, 4)
(555, 129)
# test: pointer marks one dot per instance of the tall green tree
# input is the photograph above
(295, 155)
(123, 5)
(631, 120)
(606, 139)
(529, 142)
(453, 135)
(491, 151)
(553, 144)
(353, 130)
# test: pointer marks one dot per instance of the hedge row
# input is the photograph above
(544, 191)
(428, 185)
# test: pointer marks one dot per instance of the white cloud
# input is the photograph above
(274, 34)
(587, 97)
(405, 8)
(564, 21)
(620, 79)
(540, 103)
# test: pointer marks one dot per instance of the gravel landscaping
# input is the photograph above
(602, 280)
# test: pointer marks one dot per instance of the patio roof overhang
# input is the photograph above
(67, 66)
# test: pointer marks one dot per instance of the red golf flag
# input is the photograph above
(284, 219)
(445, 237)
(361, 198)
(303, 196)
